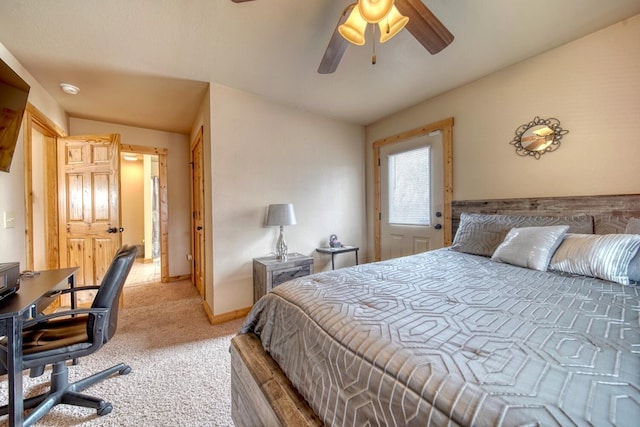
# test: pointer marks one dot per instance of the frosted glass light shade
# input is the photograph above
(354, 28)
(280, 214)
(392, 24)
(373, 11)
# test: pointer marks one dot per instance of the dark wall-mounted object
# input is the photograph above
(537, 137)
(13, 100)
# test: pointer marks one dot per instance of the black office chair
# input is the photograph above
(57, 338)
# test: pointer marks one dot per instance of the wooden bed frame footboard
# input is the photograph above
(261, 395)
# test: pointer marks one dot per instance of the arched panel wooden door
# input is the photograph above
(89, 204)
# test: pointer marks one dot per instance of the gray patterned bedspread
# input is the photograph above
(445, 338)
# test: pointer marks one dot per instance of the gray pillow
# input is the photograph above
(480, 234)
(633, 227)
(530, 247)
(604, 256)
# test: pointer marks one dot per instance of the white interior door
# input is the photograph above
(411, 186)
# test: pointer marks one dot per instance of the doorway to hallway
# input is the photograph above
(140, 199)
(143, 273)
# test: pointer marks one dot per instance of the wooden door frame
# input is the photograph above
(162, 154)
(198, 139)
(446, 126)
(35, 119)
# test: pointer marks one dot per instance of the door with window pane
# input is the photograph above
(411, 196)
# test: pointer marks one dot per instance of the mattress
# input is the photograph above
(447, 338)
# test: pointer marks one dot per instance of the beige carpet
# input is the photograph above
(180, 365)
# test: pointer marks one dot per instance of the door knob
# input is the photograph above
(438, 226)
(438, 214)
(121, 229)
(112, 230)
(199, 228)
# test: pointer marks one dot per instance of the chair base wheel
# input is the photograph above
(104, 410)
(61, 391)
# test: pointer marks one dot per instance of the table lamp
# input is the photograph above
(280, 215)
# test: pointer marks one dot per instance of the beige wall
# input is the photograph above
(264, 153)
(12, 243)
(591, 85)
(39, 193)
(203, 120)
(177, 185)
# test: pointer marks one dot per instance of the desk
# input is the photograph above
(32, 297)
(340, 250)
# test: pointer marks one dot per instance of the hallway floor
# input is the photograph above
(143, 272)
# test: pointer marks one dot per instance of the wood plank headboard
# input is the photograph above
(610, 213)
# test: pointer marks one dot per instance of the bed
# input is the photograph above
(455, 336)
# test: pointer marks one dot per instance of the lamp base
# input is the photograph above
(281, 246)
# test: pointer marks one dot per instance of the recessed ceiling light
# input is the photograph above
(69, 88)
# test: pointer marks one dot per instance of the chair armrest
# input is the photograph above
(55, 293)
(65, 313)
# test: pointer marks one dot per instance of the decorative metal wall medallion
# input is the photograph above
(537, 137)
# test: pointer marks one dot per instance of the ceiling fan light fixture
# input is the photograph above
(373, 11)
(354, 28)
(392, 24)
(424, 26)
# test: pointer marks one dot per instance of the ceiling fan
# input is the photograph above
(422, 24)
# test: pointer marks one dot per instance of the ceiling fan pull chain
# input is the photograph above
(373, 56)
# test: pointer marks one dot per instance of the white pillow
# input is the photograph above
(633, 227)
(604, 256)
(481, 234)
(530, 247)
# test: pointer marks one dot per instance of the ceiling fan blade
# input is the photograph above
(424, 25)
(240, 1)
(336, 47)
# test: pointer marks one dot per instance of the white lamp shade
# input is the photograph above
(354, 28)
(374, 10)
(280, 214)
(392, 24)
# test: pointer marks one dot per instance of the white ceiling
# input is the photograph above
(147, 63)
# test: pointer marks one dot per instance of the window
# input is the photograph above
(409, 182)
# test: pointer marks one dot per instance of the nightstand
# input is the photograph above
(269, 272)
